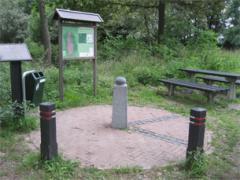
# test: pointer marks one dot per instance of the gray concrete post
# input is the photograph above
(119, 107)
(232, 90)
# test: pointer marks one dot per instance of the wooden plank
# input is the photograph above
(210, 72)
(215, 78)
(194, 85)
(61, 63)
(95, 62)
(210, 91)
(16, 86)
(94, 77)
(16, 81)
(231, 77)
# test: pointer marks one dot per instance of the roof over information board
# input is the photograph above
(14, 52)
(70, 15)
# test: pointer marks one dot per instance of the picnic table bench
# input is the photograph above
(230, 77)
(211, 91)
(210, 79)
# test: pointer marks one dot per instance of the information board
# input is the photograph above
(78, 42)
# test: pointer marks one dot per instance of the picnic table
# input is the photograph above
(230, 77)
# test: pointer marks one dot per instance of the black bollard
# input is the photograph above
(49, 147)
(196, 131)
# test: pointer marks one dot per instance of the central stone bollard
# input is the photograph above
(119, 111)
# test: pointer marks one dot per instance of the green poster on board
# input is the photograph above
(78, 42)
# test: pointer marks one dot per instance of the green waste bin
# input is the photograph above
(34, 84)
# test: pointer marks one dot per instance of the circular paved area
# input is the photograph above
(155, 137)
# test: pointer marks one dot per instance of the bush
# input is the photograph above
(55, 54)
(168, 50)
(146, 75)
(5, 90)
(203, 41)
(13, 121)
(36, 50)
(232, 37)
(13, 21)
(51, 84)
(118, 48)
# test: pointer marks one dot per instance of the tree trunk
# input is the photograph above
(146, 26)
(44, 32)
(161, 19)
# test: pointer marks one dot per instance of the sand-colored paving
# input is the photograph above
(155, 137)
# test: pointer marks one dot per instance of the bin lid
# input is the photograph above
(14, 52)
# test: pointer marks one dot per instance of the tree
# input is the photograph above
(13, 26)
(232, 21)
(213, 10)
(161, 19)
(149, 20)
(139, 15)
(45, 32)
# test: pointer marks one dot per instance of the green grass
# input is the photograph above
(59, 168)
(127, 170)
(7, 139)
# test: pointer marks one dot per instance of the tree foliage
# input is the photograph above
(232, 31)
(183, 20)
(143, 19)
(13, 26)
(45, 31)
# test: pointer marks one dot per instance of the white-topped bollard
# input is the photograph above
(119, 107)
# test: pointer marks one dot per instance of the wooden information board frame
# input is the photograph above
(76, 20)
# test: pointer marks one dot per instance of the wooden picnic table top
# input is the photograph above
(211, 72)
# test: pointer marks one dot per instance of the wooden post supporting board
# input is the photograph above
(61, 63)
(95, 61)
(16, 81)
(16, 86)
(94, 77)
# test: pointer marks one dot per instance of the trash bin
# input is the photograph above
(34, 84)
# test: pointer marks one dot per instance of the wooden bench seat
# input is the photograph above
(211, 79)
(211, 91)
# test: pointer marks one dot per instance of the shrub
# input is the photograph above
(55, 54)
(146, 75)
(13, 21)
(116, 48)
(36, 50)
(51, 84)
(232, 37)
(13, 121)
(204, 40)
(168, 50)
(5, 90)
